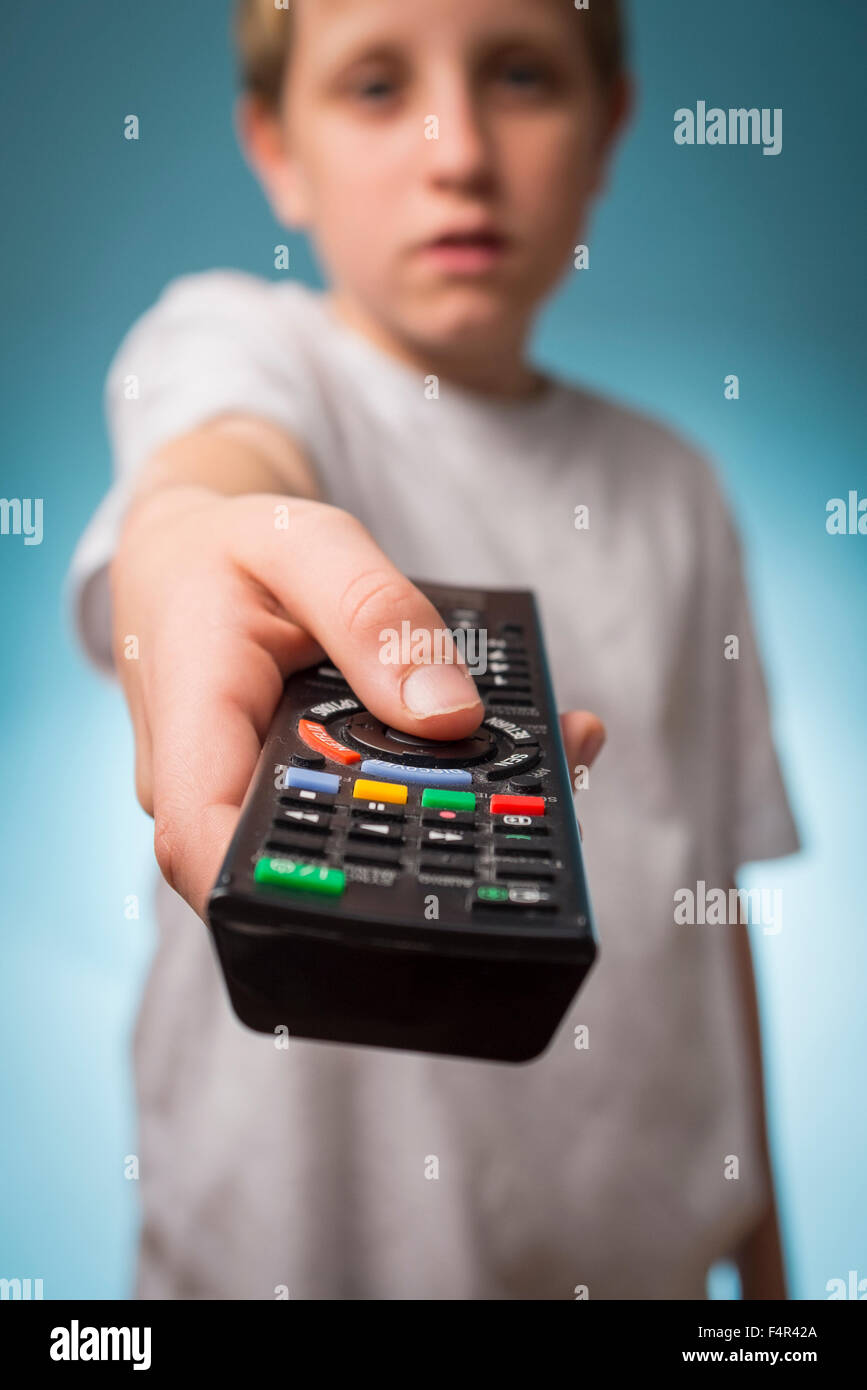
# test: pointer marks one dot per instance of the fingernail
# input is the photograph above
(438, 690)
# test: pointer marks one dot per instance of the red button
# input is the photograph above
(517, 805)
(317, 737)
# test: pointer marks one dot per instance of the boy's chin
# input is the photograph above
(464, 318)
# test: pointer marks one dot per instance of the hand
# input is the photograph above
(225, 604)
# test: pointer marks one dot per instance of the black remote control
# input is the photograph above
(386, 891)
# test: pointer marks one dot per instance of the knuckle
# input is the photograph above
(331, 526)
(373, 599)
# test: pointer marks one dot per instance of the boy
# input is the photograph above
(444, 157)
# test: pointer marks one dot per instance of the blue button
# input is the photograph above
(417, 776)
(306, 781)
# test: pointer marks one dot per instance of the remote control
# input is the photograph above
(387, 891)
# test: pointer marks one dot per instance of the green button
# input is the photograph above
(294, 873)
(489, 893)
(448, 801)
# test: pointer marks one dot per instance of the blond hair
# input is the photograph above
(263, 36)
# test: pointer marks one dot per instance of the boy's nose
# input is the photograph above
(460, 154)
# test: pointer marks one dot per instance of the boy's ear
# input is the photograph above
(621, 105)
(264, 145)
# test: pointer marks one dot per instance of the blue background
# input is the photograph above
(704, 262)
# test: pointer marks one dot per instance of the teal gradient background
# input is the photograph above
(705, 261)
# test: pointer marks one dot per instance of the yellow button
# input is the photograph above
(380, 791)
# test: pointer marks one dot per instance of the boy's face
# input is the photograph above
(443, 155)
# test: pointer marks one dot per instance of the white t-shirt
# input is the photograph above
(602, 1166)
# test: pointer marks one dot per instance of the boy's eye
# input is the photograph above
(525, 75)
(522, 75)
(373, 88)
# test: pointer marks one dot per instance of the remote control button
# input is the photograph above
(329, 673)
(436, 799)
(491, 893)
(525, 824)
(512, 731)
(282, 842)
(523, 758)
(464, 615)
(386, 855)
(330, 709)
(310, 759)
(380, 809)
(522, 899)
(517, 805)
(511, 701)
(379, 791)
(395, 747)
(321, 800)
(418, 776)
(296, 875)
(317, 736)
(454, 820)
(522, 847)
(506, 649)
(447, 864)
(527, 782)
(375, 830)
(314, 822)
(537, 872)
(529, 896)
(503, 684)
(448, 840)
(299, 779)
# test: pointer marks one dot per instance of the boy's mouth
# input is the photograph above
(466, 252)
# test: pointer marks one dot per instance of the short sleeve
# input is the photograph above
(759, 823)
(213, 343)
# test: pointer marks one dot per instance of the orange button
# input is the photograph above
(517, 805)
(317, 737)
